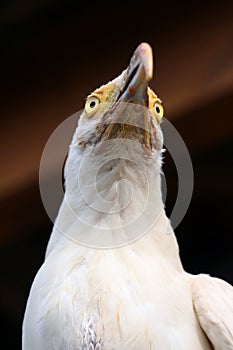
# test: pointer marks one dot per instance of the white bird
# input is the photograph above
(112, 278)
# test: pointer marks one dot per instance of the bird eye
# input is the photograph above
(158, 108)
(92, 104)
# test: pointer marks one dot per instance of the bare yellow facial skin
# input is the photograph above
(102, 97)
(105, 94)
(155, 105)
(100, 105)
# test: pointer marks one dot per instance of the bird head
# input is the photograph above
(112, 173)
(124, 109)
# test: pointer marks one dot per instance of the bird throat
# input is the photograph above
(112, 200)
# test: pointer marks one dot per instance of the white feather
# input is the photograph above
(213, 301)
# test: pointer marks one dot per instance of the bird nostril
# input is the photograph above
(131, 90)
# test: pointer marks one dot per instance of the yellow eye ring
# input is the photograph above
(92, 104)
(158, 108)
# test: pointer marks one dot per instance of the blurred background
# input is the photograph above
(54, 53)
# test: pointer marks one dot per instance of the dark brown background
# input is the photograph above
(53, 53)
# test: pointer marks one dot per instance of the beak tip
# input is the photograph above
(146, 55)
(138, 75)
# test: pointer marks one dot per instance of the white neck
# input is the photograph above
(110, 202)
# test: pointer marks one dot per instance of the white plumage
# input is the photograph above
(136, 296)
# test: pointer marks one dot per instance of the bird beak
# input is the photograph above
(138, 74)
(134, 92)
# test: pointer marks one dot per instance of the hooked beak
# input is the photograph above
(138, 74)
